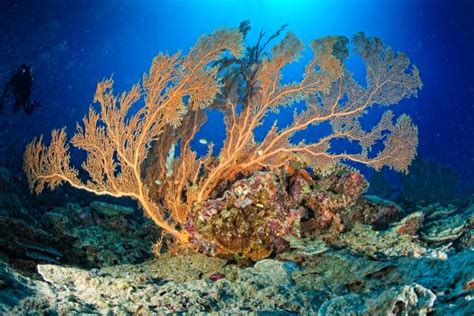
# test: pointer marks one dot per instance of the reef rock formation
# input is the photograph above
(94, 234)
(251, 219)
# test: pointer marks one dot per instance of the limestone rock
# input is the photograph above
(406, 300)
(275, 270)
(364, 240)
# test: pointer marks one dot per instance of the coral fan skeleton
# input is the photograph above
(245, 86)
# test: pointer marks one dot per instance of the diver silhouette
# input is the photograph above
(20, 83)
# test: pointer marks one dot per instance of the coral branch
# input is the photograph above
(117, 142)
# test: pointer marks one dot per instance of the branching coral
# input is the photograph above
(245, 87)
(117, 141)
(252, 88)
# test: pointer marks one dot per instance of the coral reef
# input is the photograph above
(410, 224)
(173, 185)
(94, 234)
(76, 235)
(363, 239)
(363, 268)
(447, 224)
(328, 198)
(375, 211)
(265, 213)
(251, 219)
(259, 215)
(331, 283)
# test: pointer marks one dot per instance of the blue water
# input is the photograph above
(74, 44)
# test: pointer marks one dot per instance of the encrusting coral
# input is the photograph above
(216, 73)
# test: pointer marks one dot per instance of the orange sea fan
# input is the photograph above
(117, 142)
(179, 88)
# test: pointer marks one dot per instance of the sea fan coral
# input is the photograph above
(245, 87)
(116, 142)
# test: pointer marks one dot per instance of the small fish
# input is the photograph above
(158, 182)
(203, 141)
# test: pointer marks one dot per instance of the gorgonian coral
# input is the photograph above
(245, 87)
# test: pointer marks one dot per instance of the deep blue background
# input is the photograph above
(73, 44)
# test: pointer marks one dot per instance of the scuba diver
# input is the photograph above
(20, 84)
